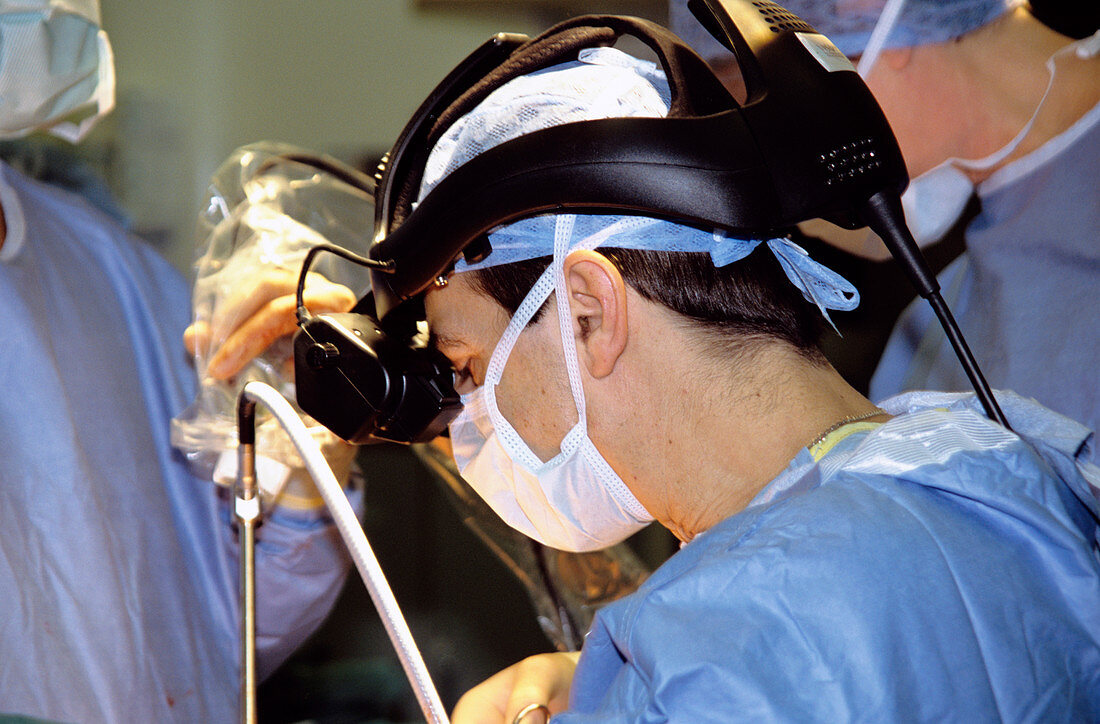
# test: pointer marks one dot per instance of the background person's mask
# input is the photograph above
(54, 63)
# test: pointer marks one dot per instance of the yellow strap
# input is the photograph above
(833, 439)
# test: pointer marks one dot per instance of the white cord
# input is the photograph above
(356, 541)
(891, 11)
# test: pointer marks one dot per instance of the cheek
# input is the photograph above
(534, 394)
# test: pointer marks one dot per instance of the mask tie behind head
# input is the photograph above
(819, 284)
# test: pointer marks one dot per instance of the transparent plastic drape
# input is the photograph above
(266, 206)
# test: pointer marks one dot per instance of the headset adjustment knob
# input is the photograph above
(322, 355)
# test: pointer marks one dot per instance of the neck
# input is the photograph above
(986, 86)
(718, 434)
(1010, 99)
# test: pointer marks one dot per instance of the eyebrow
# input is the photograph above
(444, 341)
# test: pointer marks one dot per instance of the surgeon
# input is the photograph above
(118, 572)
(998, 118)
(908, 561)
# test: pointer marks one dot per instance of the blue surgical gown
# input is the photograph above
(117, 567)
(1026, 293)
(935, 568)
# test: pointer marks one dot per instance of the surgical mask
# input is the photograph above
(575, 501)
(935, 200)
(54, 62)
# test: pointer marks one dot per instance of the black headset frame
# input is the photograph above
(755, 171)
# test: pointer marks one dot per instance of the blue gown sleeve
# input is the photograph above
(301, 565)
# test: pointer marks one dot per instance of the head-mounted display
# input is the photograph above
(809, 141)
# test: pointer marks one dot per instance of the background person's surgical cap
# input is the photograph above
(848, 23)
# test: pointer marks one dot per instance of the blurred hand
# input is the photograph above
(539, 679)
(248, 323)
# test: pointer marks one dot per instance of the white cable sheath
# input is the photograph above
(356, 541)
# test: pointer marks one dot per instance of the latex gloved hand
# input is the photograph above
(253, 328)
(258, 316)
(541, 679)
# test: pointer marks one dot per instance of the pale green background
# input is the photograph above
(198, 78)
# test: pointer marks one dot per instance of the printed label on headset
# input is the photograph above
(827, 54)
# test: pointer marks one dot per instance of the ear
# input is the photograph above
(597, 304)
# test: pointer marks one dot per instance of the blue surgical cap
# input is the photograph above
(848, 23)
(601, 83)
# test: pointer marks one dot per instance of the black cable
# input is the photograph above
(350, 176)
(883, 213)
(970, 366)
(568, 625)
(302, 312)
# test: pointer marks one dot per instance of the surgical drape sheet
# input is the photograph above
(117, 567)
(937, 568)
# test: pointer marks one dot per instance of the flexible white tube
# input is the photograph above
(356, 541)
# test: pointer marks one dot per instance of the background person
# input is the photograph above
(998, 118)
(117, 565)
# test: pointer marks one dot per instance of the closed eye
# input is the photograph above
(463, 381)
(462, 360)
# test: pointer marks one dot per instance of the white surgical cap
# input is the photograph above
(849, 23)
(601, 83)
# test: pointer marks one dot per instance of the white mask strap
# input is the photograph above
(891, 11)
(886, 23)
(555, 276)
(531, 303)
(563, 230)
(983, 164)
(1088, 47)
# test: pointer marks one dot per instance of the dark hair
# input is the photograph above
(1068, 17)
(745, 303)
